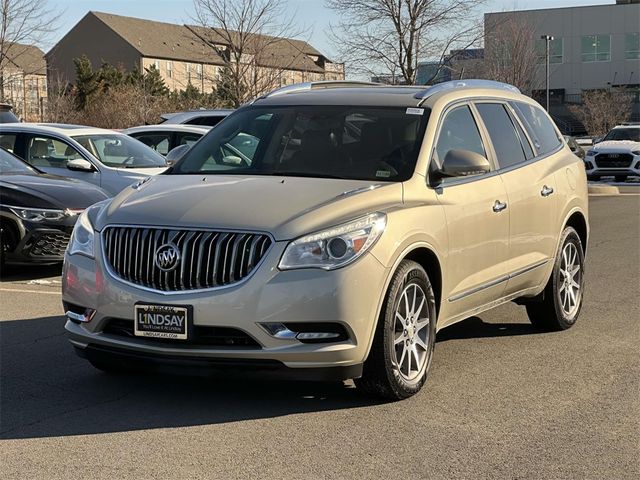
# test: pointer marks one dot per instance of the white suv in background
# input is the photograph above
(617, 154)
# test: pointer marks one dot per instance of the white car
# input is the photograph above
(165, 137)
(617, 154)
(105, 158)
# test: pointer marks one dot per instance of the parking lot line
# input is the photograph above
(15, 290)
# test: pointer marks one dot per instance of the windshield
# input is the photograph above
(121, 151)
(351, 142)
(10, 164)
(632, 134)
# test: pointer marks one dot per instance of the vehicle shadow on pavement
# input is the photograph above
(21, 273)
(47, 391)
(475, 327)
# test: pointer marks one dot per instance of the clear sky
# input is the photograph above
(309, 14)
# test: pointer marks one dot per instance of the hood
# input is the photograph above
(287, 207)
(618, 146)
(48, 191)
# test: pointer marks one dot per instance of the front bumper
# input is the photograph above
(39, 242)
(595, 166)
(349, 296)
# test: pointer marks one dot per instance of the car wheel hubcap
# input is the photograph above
(411, 332)
(570, 291)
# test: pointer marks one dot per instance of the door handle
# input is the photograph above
(546, 191)
(499, 206)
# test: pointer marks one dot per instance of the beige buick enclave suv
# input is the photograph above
(328, 231)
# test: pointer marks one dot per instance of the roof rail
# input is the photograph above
(440, 87)
(300, 87)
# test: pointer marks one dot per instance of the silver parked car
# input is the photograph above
(105, 158)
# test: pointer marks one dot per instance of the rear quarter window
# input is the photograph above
(539, 126)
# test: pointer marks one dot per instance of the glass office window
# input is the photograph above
(632, 46)
(596, 48)
(556, 50)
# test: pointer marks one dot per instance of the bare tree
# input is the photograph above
(510, 53)
(251, 39)
(392, 36)
(23, 24)
(601, 110)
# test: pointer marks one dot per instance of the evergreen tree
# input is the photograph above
(86, 82)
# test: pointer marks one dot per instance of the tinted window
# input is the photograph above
(336, 141)
(632, 134)
(458, 132)
(8, 141)
(209, 120)
(503, 134)
(539, 127)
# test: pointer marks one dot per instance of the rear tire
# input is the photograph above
(402, 349)
(558, 306)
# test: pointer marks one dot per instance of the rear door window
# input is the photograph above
(505, 140)
(539, 126)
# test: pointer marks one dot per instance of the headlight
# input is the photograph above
(334, 247)
(591, 153)
(40, 214)
(82, 237)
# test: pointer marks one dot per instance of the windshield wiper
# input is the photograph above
(286, 173)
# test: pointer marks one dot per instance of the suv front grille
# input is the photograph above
(614, 160)
(207, 259)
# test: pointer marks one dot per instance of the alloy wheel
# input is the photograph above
(411, 332)
(570, 291)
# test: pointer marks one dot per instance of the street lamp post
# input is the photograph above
(547, 39)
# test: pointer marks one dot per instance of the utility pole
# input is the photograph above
(547, 39)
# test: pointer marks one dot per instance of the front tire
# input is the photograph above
(402, 349)
(559, 305)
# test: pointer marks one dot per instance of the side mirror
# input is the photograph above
(176, 154)
(80, 165)
(462, 163)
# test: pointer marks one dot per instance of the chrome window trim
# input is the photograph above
(114, 276)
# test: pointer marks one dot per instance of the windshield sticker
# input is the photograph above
(415, 111)
(383, 173)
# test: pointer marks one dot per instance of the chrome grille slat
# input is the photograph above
(209, 258)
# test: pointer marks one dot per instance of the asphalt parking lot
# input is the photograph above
(503, 400)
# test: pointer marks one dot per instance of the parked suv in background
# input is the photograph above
(362, 220)
(617, 154)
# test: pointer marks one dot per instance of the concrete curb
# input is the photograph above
(603, 190)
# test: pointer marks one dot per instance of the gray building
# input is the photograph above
(594, 46)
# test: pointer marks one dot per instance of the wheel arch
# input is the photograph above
(578, 221)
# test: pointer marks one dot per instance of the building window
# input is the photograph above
(596, 48)
(170, 69)
(556, 50)
(632, 46)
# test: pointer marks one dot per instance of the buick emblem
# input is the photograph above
(167, 257)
